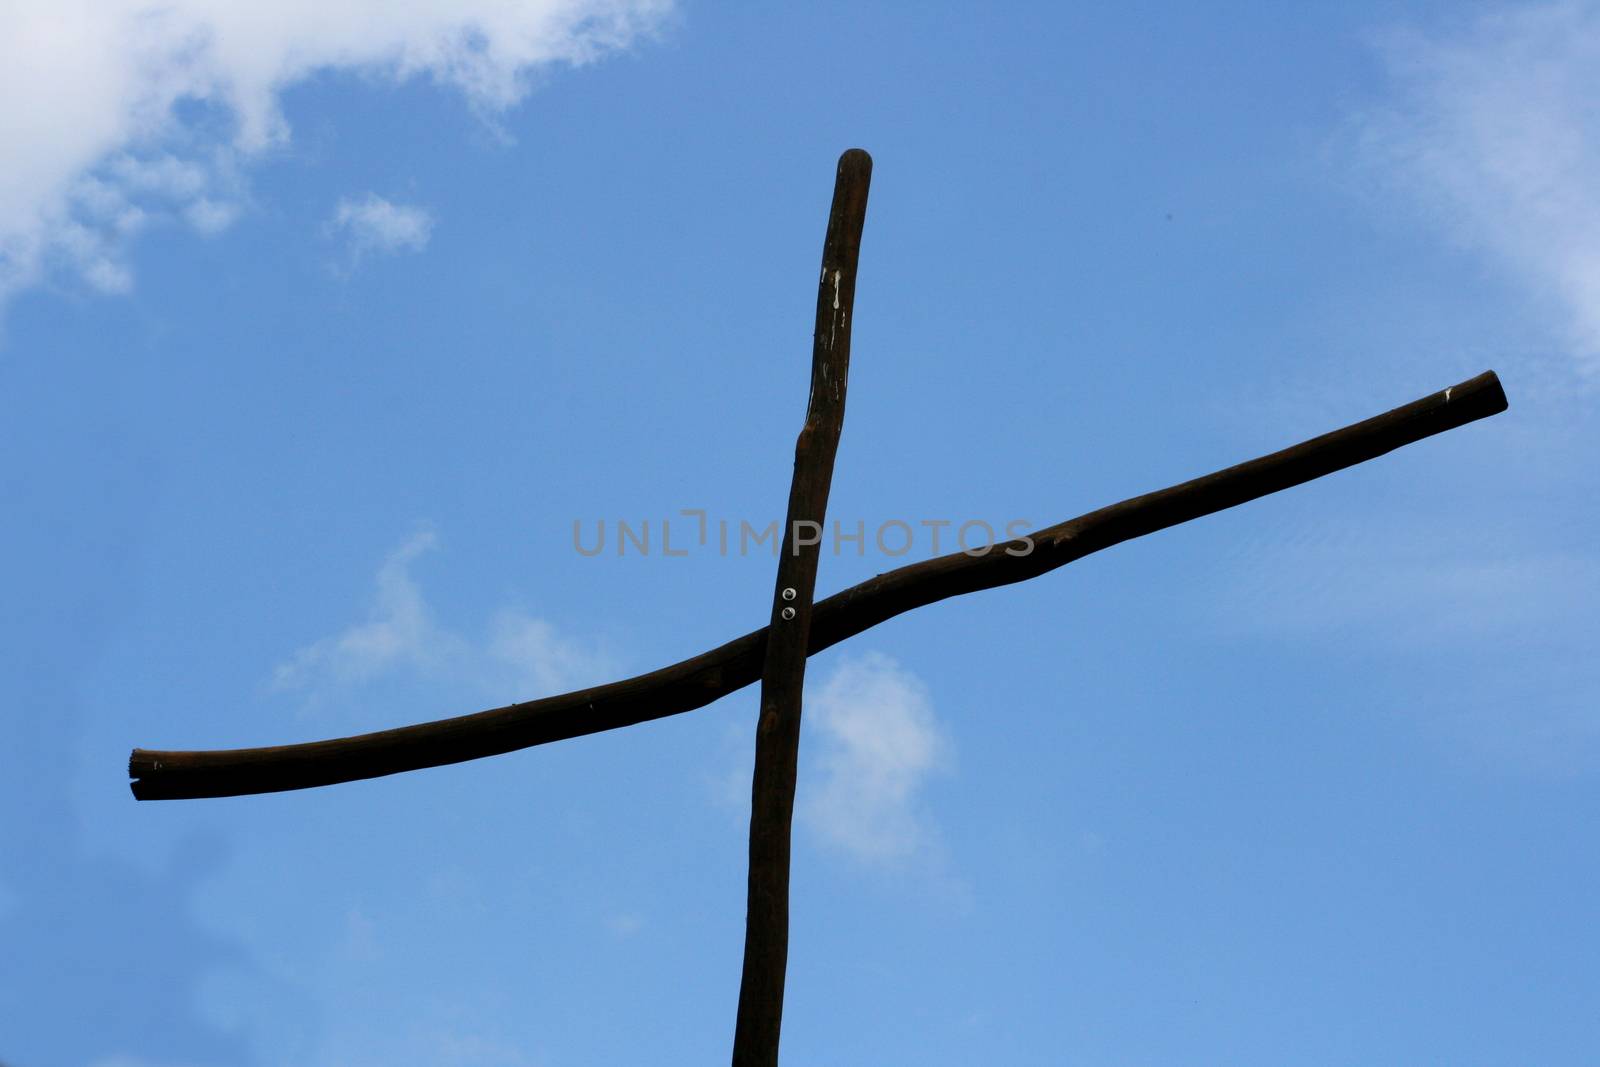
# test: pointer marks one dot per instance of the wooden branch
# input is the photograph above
(697, 682)
(766, 932)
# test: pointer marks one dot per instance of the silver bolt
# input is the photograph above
(788, 613)
(789, 594)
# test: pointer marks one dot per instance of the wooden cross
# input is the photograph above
(798, 628)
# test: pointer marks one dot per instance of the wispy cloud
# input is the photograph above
(452, 1049)
(539, 659)
(625, 924)
(441, 1036)
(877, 744)
(1415, 597)
(398, 632)
(1505, 625)
(1493, 131)
(373, 224)
(120, 114)
(520, 657)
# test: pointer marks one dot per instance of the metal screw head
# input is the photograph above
(788, 613)
(788, 593)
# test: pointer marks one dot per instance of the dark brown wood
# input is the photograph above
(696, 682)
(783, 672)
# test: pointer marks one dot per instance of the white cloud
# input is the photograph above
(1501, 628)
(209, 216)
(399, 632)
(114, 110)
(540, 659)
(522, 656)
(360, 941)
(373, 224)
(1494, 132)
(1396, 584)
(452, 1049)
(877, 742)
(625, 924)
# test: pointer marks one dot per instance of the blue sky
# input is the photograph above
(321, 326)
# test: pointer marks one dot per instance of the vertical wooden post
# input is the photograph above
(766, 939)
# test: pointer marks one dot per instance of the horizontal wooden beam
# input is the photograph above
(696, 682)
